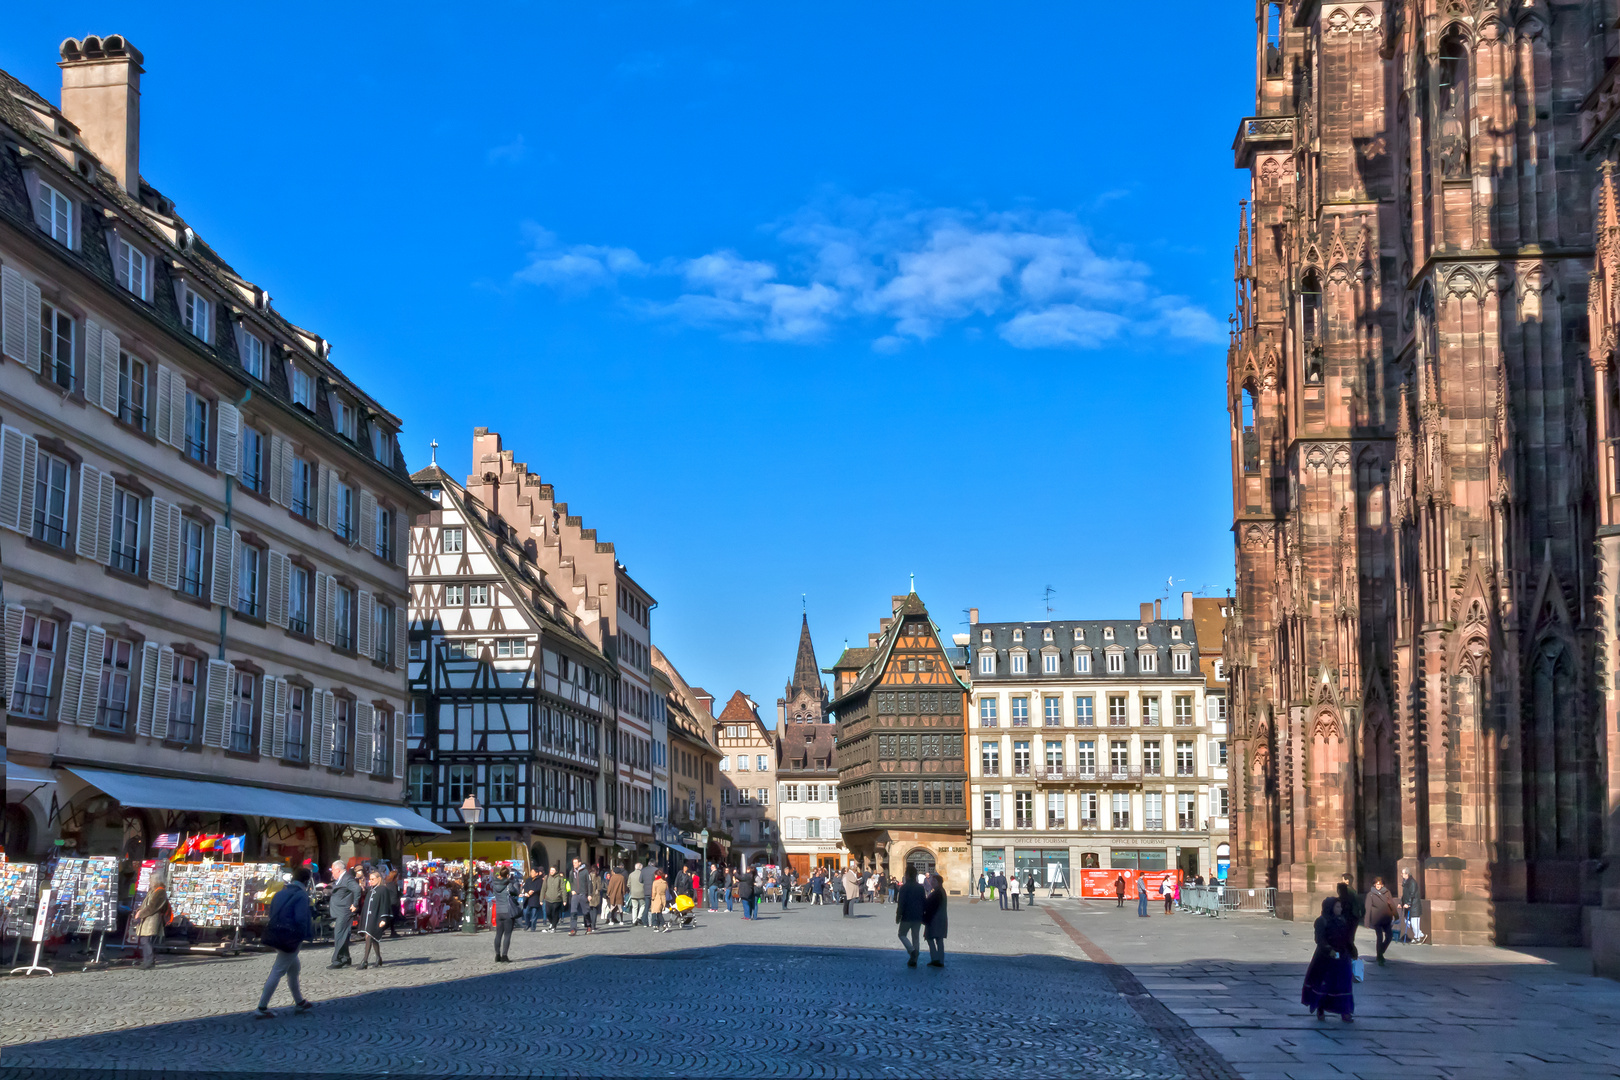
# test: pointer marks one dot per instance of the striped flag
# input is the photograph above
(167, 841)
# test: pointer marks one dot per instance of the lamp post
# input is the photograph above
(471, 812)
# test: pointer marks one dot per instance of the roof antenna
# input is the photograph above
(434, 445)
(1047, 596)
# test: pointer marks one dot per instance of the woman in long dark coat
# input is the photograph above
(1328, 984)
(935, 922)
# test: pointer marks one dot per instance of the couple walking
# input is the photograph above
(920, 905)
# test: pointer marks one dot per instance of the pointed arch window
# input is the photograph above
(1452, 88)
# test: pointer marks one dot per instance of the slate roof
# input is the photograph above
(878, 657)
(806, 676)
(1159, 635)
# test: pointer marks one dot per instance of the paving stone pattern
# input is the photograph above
(806, 993)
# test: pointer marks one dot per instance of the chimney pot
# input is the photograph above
(101, 96)
(1147, 612)
(1186, 605)
(973, 616)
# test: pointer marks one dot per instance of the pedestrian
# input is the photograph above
(727, 880)
(787, 887)
(579, 898)
(1029, 887)
(374, 919)
(341, 903)
(818, 885)
(597, 894)
(713, 893)
(850, 885)
(1119, 890)
(1167, 890)
(660, 897)
(1380, 916)
(637, 891)
(288, 924)
(1354, 910)
(982, 885)
(391, 880)
(1141, 897)
(531, 899)
(1001, 889)
(1411, 906)
(150, 919)
(505, 907)
(616, 887)
(1014, 888)
(935, 923)
(647, 874)
(745, 893)
(910, 905)
(1328, 982)
(553, 898)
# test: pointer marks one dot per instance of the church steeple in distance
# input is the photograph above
(806, 675)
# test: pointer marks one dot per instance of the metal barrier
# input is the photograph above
(1261, 899)
(1201, 900)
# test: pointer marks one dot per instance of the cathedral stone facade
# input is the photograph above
(1421, 652)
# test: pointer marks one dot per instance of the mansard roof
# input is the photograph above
(1161, 636)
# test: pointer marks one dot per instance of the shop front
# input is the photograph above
(1046, 865)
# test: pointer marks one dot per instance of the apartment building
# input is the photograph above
(806, 774)
(1209, 615)
(1090, 746)
(203, 521)
(747, 779)
(510, 699)
(694, 771)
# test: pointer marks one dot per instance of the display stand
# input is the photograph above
(19, 895)
(222, 896)
(41, 928)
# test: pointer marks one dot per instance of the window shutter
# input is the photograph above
(272, 483)
(365, 715)
(148, 688)
(177, 411)
(267, 714)
(324, 497)
(323, 603)
(14, 446)
(402, 629)
(67, 710)
(104, 527)
(95, 642)
(25, 501)
(161, 418)
(90, 385)
(277, 575)
(162, 692)
(278, 718)
(329, 496)
(13, 316)
(161, 553)
(87, 542)
(228, 456)
(31, 331)
(236, 568)
(287, 462)
(365, 607)
(368, 521)
(399, 747)
(320, 726)
(177, 546)
(110, 346)
(220, 585)
(13, 646)
(216, 703)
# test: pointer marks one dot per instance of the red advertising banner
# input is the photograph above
(1101, 884)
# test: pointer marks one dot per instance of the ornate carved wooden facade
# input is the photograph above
(1414, 511)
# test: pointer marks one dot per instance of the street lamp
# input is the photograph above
(471, 812)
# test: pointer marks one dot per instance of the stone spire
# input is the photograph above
(806, 675)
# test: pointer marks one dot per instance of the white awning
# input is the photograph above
(27, 774)
(207, 796)
(688, 852)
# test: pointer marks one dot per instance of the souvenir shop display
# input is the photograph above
(208, 894)
(19, 889)
(260, 883)
(84, 895)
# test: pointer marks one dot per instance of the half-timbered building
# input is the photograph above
(901, 714)
(509, 699)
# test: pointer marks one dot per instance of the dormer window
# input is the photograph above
(1108, 633)
(1018, 635)
(1046, 635)
(1082, 662)
(302, 384)
(194, 312)
(129, 266)
(343, 416)
(1141, 633)
(1116, 663)
(1148, 661)
(984, 636)
(1175, 633)
(1049, 663)
(987, 662)
(1183, 663)
(1079, 634)
(55, 215)
(1017, 663)
(253, 355)
(382, 445)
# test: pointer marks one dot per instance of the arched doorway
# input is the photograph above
(919, 861)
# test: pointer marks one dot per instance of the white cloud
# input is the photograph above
(1035, 279)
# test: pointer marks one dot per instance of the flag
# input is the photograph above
(233, 844)
(187, 847)
(208, 843)
(167, 841)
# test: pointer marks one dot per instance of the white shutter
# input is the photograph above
(368, 521)
(365, 715)
(90, 385)
(272, 484)
(14, 446)
(402, 631)
(277, 572)
(177, 411)
(110, 345)
(147, 688)
(236, 568)
(329, 497)
(220, 586)
(363, 617)
(67, 711)
(104, 529)
(228, 457)
(177, 547)
(162, 691)
(95, 643)
(320, 726)
(399, 746)
(321, 496)
(162, 420)
(88, 541)
(267, 714)
(31, 331)
(13, 647)
(13, 316)
(322, 607)
(160, 557)
(278, 718)
(217, 703)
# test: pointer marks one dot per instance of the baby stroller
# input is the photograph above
(685, 912)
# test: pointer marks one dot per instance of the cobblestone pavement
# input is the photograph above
(801, 993)
(1431, 1012)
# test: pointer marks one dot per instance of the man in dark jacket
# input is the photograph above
(503, 901)
(745, 893)
(910, 908)
(648, 874)
(289, 908)
(935, 923)
(345, 895)
(1411, 908)
(579, 902)
(1001, 888)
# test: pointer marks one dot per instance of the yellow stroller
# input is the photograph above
(685, 912)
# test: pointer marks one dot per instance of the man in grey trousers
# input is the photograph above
(345, 895)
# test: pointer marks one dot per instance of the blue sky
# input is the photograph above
(786, 300)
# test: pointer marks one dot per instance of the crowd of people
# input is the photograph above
(1336, 966)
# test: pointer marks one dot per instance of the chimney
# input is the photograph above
(101, 96)
(1147, 612)
(1186, 605)
(1156, 615)
(973, 616)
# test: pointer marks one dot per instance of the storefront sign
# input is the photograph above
(1099, 884)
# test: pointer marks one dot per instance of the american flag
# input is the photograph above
(167, 841)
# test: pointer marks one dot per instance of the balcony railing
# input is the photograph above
(1087, 823)
(1151, 769)
(992, 823)
(991, 770)
(1186, 823)
(1025, 821)
(1055, 821)
(1083, 773)
(1020, 770)
(1154, 824)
